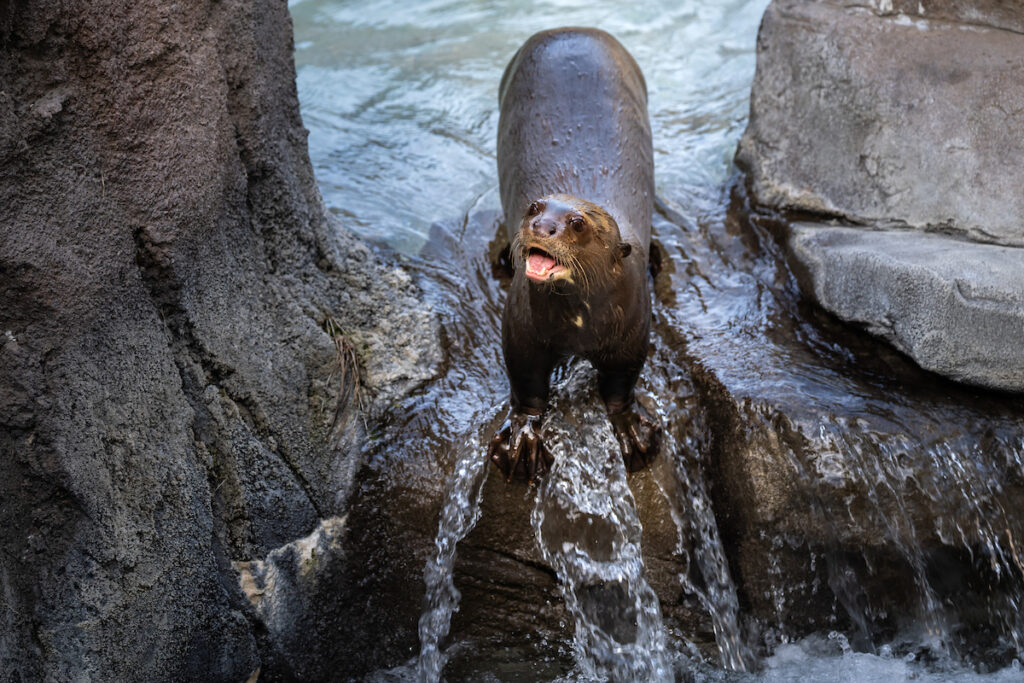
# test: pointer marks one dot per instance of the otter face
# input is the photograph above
(564, 238)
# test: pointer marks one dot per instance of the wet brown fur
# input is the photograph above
(574, 134)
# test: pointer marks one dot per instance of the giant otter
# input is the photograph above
(576, 170)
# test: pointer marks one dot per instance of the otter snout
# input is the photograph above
(545, 225)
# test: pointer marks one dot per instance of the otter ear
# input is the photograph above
(625, 249)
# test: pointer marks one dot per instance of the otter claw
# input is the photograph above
(639, 436)
(518, 450)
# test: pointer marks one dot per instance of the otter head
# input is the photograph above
(567, 239)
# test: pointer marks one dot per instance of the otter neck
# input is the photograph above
(567, 314)
(568, 294)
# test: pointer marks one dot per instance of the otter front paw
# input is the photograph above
(517, 449)
(639, 436)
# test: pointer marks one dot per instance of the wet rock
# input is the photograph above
(176, 313)
(562, 561)
(853, 490)
(872, 525)
(900, 116)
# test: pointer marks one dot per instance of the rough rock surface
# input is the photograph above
(292, 590)
(956, 307)
(900, 116)
(1003, 14)
(888, 120)
(170, 394)
(853, 490)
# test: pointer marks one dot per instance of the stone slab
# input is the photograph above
(955, 307)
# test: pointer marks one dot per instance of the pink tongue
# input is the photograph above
(539, 263)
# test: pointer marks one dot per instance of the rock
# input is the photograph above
(853, 491)
(888, 120)
(1003, 14)
(289, 590)
(955, 307)
(900, 116)
(176, 310)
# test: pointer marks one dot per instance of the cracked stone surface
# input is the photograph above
(170, 394)
(894, 120)
(900, 119)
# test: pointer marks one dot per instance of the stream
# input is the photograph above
(821, 510)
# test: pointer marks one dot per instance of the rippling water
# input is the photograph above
(558, 581)
(400, 98)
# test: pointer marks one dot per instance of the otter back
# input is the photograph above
(574, 121)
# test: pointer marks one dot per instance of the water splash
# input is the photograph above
(586, 525)
(681, 478)
(699, 541)
(460, 514)
(885, 490)
(958, 482)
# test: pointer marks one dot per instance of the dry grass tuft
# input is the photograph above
(346, 366)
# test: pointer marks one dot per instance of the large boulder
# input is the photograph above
(185, 337)
(900, 117)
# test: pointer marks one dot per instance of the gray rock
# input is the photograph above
(890, 120)
(896, 116)
(171, 398)
(289, 588)
(1003, 14)
(956, 307)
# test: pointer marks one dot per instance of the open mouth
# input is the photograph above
(542, 266)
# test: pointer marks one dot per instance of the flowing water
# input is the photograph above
(587, 527)
(822, 510)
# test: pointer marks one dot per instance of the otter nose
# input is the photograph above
(545, 226)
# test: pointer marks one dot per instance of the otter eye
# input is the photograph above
(533, 209)
(577, 223)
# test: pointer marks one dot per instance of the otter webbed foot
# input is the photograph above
(517, 448)
(639, 436)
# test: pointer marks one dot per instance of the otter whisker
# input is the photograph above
(517, 251)
(577, 269)
(586, 275)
